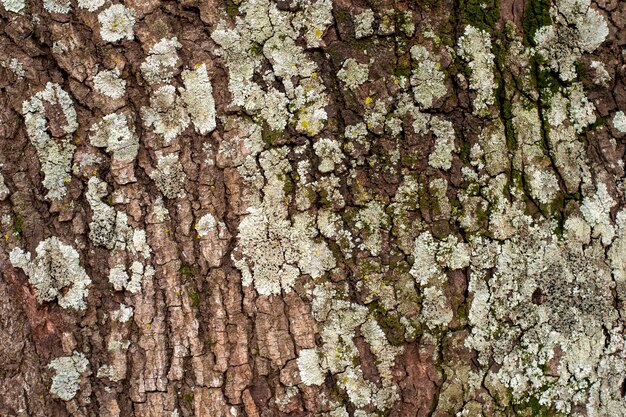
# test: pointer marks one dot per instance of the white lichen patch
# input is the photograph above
(15, 6)
(4, 190)
(118, 277)
(339, 320)
(314, 19)
(116, 23)
(169, 176)
(427, 80)
(372, 220)
(475, 48)
(619, 121)
(577, 29)
(123, 313)
(311, 372)
(353, 73)
(57, 6)
(441, 156)
(55, 273)
(55, 154)
(596, 211)
(167, 113)
(544, 186)
(109, 83)
(66, 381)
(363, 24)
(161, 62)
(272, 251)
(263, 32)
(329, 152)
(90, 5)
(117, 134)
(205, 225)
(198, 97)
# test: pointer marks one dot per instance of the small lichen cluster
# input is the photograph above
(55, 151)
(475, 48)
(116, 23)
(577, 29)
(109, 83)
(66, 381)
(55, 273)
(169, 176)
(170, 113)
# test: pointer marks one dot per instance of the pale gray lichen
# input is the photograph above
(15, 6)
(55, 154)
(198, 97)
(205, 225)
(263, 26)
(66, 381)
(427, 80)
(116, 23)
(118, 277)
(272, 251)
(353, 73)
(169, 176)
(577, 29)
(329, 152)
(117, 134)
(90, 5)
(619, 121)
(372, 220)
(54, 273)
(339, 320)
(161, 61)
(123, 313)
(475, 48)
(363, 24)
(441, 156)
(167, 113)
(109, 83)
(4, 190)
(57, 6)
(314, 19)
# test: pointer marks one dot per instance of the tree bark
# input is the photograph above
(312, 208)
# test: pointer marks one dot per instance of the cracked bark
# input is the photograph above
(201, 341)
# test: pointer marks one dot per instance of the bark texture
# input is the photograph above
(312, 208)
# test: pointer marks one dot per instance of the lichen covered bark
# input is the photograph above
(312, 208)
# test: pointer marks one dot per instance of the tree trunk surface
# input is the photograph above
(312, 208)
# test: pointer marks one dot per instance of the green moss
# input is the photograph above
(195, 298)
(232, 8)
(465, 152)
(186, 270)
(536, 15)
(18, 224)
(256, 50)
(483, 14)
(402, 68)
(270, 137)
(188, 398)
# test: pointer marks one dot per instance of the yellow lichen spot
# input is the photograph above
(396, 82)
(318, 33)
(314, 75)
(305, 124)
(198, 236)
(198, 66)
(6, 236)
(148, 326)
(67, 179)
(94, 172)
(287, 201)
(369, 100)
(317, 253)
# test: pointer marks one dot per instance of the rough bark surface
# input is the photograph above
(312, 208)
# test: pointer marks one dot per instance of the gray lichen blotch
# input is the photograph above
(55, 273)
(67, 369)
